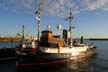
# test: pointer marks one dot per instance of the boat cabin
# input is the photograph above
(49, 40)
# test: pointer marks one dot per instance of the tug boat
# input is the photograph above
(53, 48)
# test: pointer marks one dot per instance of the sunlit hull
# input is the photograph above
(50, 58)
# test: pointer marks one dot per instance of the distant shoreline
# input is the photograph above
(12, 39)
(98, 39)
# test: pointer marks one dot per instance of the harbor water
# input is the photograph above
(99, 63)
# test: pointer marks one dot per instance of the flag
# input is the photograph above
(37, 18)
(66, 19)
(36, 12)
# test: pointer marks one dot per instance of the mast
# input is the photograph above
(38, 20)
(23, 32)
(70, 27)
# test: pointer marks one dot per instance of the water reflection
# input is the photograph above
(73, 66)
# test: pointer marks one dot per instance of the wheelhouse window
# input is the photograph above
(51, 45)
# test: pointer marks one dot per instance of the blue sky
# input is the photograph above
(90, 16)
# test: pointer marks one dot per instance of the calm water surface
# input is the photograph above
(98, 63)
